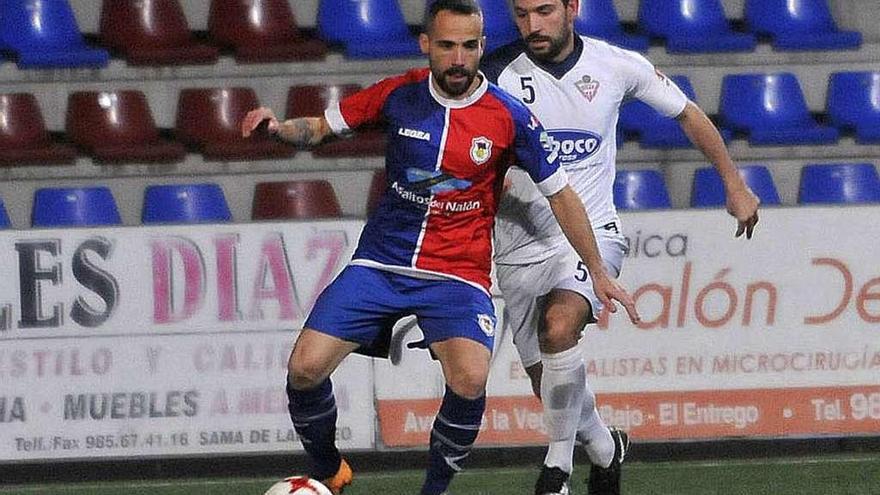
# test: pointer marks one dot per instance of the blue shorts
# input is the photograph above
(363, 304)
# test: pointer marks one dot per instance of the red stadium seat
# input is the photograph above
(208, 120)
(117, 127)
(377, 190)
(298, 199)
(305, 101)
(23, 136)
(152, 32)
(259, 32)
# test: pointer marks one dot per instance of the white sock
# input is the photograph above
(593, 432)
(563, 383)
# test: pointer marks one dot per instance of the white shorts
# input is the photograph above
(523, 285)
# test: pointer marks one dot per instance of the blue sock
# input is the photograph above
(313, 413)
(455, 430)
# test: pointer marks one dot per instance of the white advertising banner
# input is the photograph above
(164, 341)
(778, 335)
(174, 340)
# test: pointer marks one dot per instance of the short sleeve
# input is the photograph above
(366, 106)
(531, 154)
(653, 87)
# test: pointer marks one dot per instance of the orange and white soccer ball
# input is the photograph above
(298, 485)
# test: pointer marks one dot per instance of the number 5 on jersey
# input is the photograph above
(529, 88)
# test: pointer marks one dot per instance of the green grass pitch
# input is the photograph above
(826, 475)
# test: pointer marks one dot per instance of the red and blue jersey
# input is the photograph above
(445, 164)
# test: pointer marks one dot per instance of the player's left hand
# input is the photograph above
(609, 290)
(742, 204)
(254, 118)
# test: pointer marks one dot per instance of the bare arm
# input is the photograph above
(572, 218)
(741, 201)
(303, 131)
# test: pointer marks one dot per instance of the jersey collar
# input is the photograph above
(464, 102)
(559, 69)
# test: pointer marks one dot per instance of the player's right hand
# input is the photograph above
(609, 290)
(255, 117)
(742, 204)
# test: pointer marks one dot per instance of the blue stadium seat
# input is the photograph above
(498, 24)
(798, 25)
(656, 130)
(772, 109)
(44, 34)
(692, 26)
(839, 183)
(854, 103)
(74, 206)
(639, 190)
(4, 218)
(708, 190)
(598, 19)
(185, 203)
(367, 28)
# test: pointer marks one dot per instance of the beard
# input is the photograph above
(554, 47)
(457, 88)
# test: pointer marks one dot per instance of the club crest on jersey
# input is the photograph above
(487, 324)
(588, 87)
(481, 150)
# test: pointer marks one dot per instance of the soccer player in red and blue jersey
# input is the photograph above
(427, 248)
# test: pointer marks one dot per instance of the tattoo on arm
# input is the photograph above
(302, 131)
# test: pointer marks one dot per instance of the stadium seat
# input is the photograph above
(44, 34)
(798, 25)
(303, 101)
(854, 103)
(654, 129)
(298, 199)
(23, 136)
(152, 33)
(692, 26)
(74, 207)
(117, 127)
(839, 183)
(498, 24)
(4, 218)
(708, 189)
(367, 28)
(262, 31)
(598, 19)
(640, 190)
(185, 203)
(771, 109)
(209, 119)
(377, 189)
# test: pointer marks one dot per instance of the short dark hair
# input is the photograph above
(464, 7)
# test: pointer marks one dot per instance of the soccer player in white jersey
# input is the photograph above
(575, 86)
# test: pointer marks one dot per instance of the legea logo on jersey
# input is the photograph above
(570, 146)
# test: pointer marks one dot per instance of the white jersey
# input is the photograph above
(577, 101)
